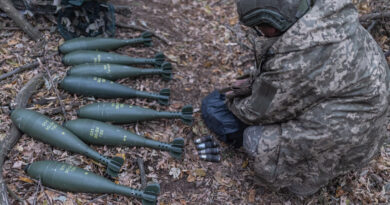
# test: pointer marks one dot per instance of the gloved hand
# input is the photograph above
(239, 88)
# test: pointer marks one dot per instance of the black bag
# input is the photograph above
(86, 18)
(221, 121)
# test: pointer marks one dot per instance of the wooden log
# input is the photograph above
(15, 15)
(14, 134)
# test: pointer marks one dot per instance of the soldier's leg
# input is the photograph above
(251, 139)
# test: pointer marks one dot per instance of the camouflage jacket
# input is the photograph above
(318, 107)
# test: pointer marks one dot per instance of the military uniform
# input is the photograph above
(319, 101)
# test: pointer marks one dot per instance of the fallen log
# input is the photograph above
(15, 15)
(14, 134)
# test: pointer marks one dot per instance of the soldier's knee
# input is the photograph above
(251, 139)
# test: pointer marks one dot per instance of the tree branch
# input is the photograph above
(142, 172)
(20, 69)
(372, 16)
(15, 15)
(137, 28)
(14, 134)
(25, 67)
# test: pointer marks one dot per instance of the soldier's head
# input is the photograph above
(271, 17)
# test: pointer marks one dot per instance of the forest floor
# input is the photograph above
(206, 54)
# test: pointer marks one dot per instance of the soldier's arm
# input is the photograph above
(277, 97)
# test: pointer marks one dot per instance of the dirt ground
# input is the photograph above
(206, 55)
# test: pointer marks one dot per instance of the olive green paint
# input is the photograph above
(69, 178)
(86, 56)
(44, 129)
(116, 71)
(103, 44)
(100, 133)
(102, 88)
(122, 113)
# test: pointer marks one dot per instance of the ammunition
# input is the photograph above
(102, 88)
(122, 113)
(210, 158)
(100, 133)
(204, 139)
(103, 44)
(209, 151)
(205, 145)
(85, 56)
(116, 71)
(69, 178)
(44, 129)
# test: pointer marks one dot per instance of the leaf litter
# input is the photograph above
(206, 55)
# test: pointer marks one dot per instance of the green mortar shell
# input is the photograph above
(102, 88)
(103, 44)
(122, 113)
(116, 71)
(85, 56)
(44, 129)
(69, 178)
(100, 133)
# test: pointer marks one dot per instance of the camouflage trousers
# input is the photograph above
(251, 138)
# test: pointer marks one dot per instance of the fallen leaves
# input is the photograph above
(26, 179)
(200, 172)
(223, 180)
(175, 172)
(205, 56)
(252, 196)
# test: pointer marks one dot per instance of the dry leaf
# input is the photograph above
(233, 21)
(339, 192)
(175, 172)
(200, 172)
(25, 179)
(191, 178)
(252, 195)
(12, 42)
(183, 202)
(123, 156)
(17, 165)
(245, 164)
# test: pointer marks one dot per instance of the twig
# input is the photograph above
(36, 192)
(47, 197)
(140, 163)
(10, 10)
(14, 134)
(97, 198)
(123, 10)
(215, 3)
(372, 25)
(373, 16)
(56, 191)
(25, 67)
(137, 28)
(55, 89)
(20, 69)
(18, 28)
(15, 196)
